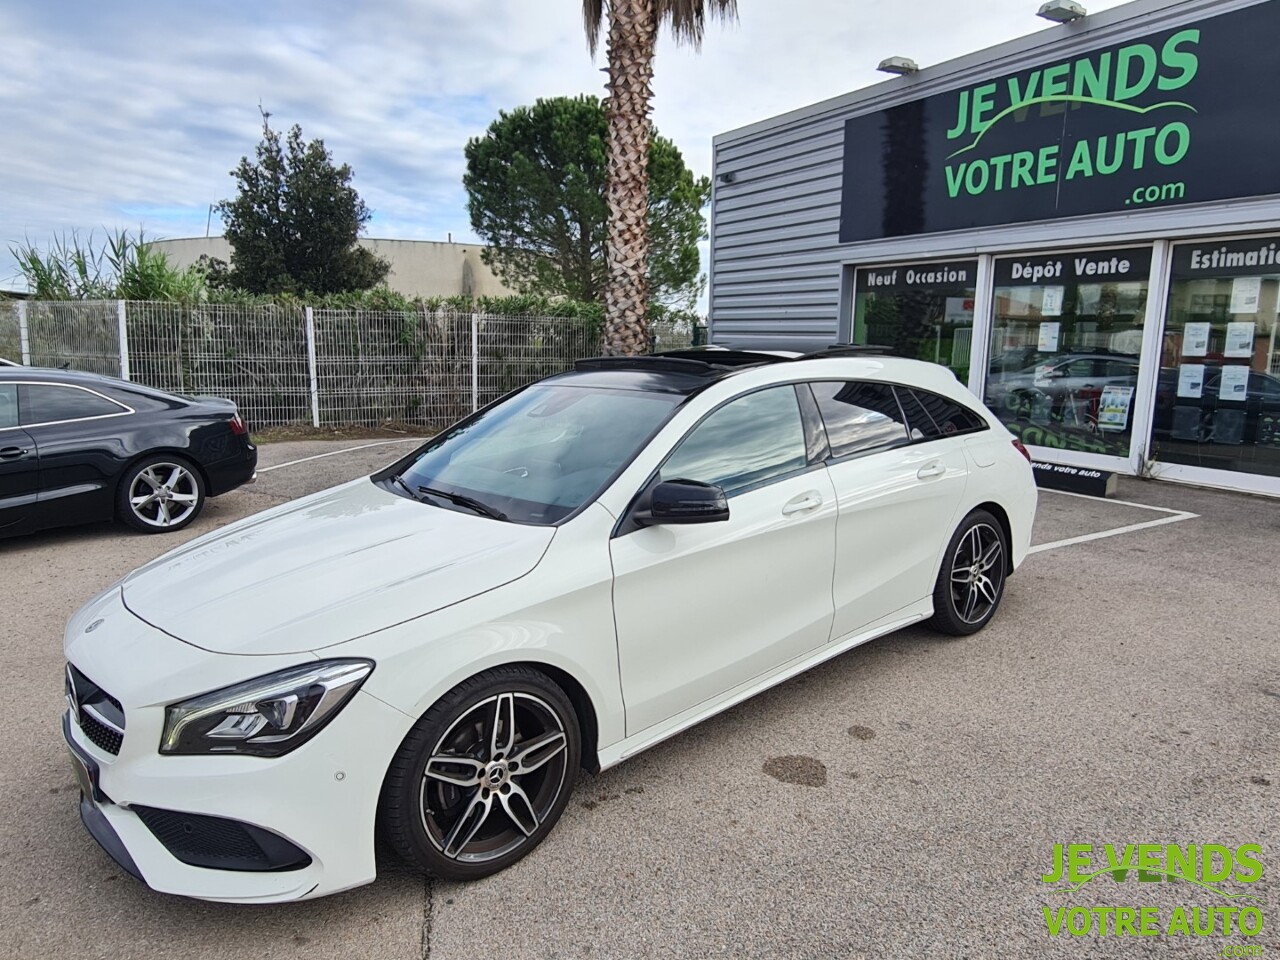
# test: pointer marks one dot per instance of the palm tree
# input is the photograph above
(633, 33)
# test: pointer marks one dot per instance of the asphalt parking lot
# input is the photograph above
(901, 800)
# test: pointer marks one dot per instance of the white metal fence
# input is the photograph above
(294, 365)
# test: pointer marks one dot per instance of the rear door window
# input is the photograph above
(860, 416)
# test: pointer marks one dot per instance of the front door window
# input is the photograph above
(1065, 340)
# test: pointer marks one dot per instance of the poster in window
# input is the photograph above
(1113, 408)
(1234, 384)
(1245, 292)
(1195, 339)
(1049, 337)
(1051, 301)
(1191, 380)
(1239, 340)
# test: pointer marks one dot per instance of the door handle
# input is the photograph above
(12, 453)
(810, 500)
(931, 470)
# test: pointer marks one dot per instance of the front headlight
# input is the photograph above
(265, 717)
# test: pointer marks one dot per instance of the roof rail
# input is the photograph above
(722, 356)
(851, 350)
(695, 368)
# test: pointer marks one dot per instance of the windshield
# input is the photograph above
(540, 455)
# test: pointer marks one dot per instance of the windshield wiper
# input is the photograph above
(471, 503)
(400, 482)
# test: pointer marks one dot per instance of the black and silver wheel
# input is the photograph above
(971, 581)
(160, 494)
(484, 775)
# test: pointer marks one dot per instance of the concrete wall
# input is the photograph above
(419, 268)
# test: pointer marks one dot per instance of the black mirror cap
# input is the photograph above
(685, 501)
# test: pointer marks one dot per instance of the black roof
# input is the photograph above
(58, 376)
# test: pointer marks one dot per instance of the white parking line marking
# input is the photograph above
(1119, 503)
(1175, 516)
(334, 453)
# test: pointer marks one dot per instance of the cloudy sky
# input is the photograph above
(133, 113)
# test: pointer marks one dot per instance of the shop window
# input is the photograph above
(1218, 390)
(922, 310)
(1066, 336)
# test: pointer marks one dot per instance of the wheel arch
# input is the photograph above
(582, 707)
(1002, 517)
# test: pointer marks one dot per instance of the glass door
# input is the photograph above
(1217, 400)
(1066, 337)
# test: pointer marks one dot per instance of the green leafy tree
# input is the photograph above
(293, 226)
(536, 194)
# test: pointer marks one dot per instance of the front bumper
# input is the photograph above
(321, 799)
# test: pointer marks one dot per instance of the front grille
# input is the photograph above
(98, 713)
(220, 844)
(100, 734)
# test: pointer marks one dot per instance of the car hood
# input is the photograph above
(326, 569)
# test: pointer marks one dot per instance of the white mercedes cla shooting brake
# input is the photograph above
(560, 581)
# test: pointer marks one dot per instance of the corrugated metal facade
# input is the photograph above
(776, 264)
(779, 275)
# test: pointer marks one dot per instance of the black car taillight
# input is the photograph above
(238, 426)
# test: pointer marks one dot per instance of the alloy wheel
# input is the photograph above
(493, 778)
(977, 573)
(164, 494)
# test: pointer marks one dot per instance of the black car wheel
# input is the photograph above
(483, 776)
(971, 582)
(160, 494)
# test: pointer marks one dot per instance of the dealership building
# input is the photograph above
(1083, 224)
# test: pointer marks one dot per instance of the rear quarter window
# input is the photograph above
(933, 417)
(54, 403)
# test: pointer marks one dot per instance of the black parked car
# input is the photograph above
(76, 448)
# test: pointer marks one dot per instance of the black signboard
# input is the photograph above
(958, 276)
(1229, 258)
(1059, 476)
(1090, 266)
(1183, 115)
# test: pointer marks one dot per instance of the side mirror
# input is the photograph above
(684, 501)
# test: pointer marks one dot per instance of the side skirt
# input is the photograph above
(615, 753)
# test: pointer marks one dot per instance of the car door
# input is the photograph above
(19, 466)
(899, 485)
(704, 608)
(78, 431)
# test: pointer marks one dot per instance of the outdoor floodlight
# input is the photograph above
(898, 65)
(1061, 11)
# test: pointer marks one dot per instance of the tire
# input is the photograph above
(971, 582)
(491, 795)
(160, 494)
